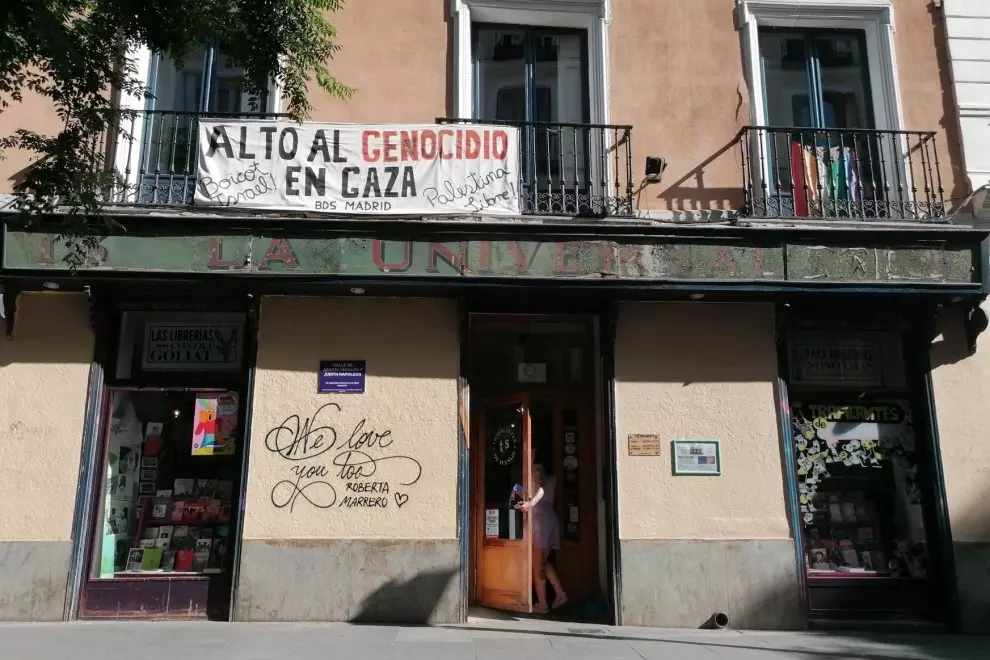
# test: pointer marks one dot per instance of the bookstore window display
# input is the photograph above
(857, 454)
(170, 481)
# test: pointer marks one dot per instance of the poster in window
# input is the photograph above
(215, 424)
(491, 523)
(204, 436)
(854, 461)
(123, 466)
(226, 430)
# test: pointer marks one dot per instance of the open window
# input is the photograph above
(536, 79)
(157, 157)
(825, 158)
(827, 140)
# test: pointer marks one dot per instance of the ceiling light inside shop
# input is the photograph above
(357, 291)
(697, 296)
(50, 285)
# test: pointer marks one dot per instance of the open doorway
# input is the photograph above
(534, 422)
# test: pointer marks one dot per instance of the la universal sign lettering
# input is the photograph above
(350, 168)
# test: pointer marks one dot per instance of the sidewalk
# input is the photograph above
(480, 639)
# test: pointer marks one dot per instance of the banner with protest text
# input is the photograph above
(456, 169)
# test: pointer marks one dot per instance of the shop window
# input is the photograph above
(858, 459)
(170, 475)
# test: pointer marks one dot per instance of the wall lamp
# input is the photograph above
(655, 167)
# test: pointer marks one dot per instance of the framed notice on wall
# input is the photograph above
(696, 457)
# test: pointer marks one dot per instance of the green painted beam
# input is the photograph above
(627, 259)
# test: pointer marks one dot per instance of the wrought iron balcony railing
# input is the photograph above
(792, 172)
(566, 169)
(153, 154)
(572, 169)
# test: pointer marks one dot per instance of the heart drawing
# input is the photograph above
(400, 499)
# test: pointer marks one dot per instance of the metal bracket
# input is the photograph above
(94, 316)
(100, 312)
(975, 323)
(927, 327)
(253, 303)
(8, 308)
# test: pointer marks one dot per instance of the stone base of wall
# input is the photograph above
(349, 580)
(681, 584)
(973, 578)
(33, 578)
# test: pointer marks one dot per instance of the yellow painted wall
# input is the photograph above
(962, 392)
(412, 351)
(699, 371)
(44, 375)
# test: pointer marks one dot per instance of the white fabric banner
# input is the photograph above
(359, 169)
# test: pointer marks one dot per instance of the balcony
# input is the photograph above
(572, 170)
(841, 174)
(567, 169)
(154, 154)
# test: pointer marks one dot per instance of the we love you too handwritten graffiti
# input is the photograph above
(334, 465)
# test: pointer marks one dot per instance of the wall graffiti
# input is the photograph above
(332, 466)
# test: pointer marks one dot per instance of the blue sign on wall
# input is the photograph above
(341, 377)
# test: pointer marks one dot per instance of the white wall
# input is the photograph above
(968, 25)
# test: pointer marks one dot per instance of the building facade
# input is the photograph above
(722, 284)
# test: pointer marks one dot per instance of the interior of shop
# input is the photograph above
(535, 424)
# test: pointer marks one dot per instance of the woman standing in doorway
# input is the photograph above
(546, 537)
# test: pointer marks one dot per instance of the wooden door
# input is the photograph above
(504, 539)
(575, 465)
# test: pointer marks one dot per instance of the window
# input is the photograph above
(531, 75)
(204, 84)
(859, 459)
(816, 78)
(828, 67)
(159, 161)
(537, 78)
(165, 508)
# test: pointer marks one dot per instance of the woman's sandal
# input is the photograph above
(541, 609)
(560, 601)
